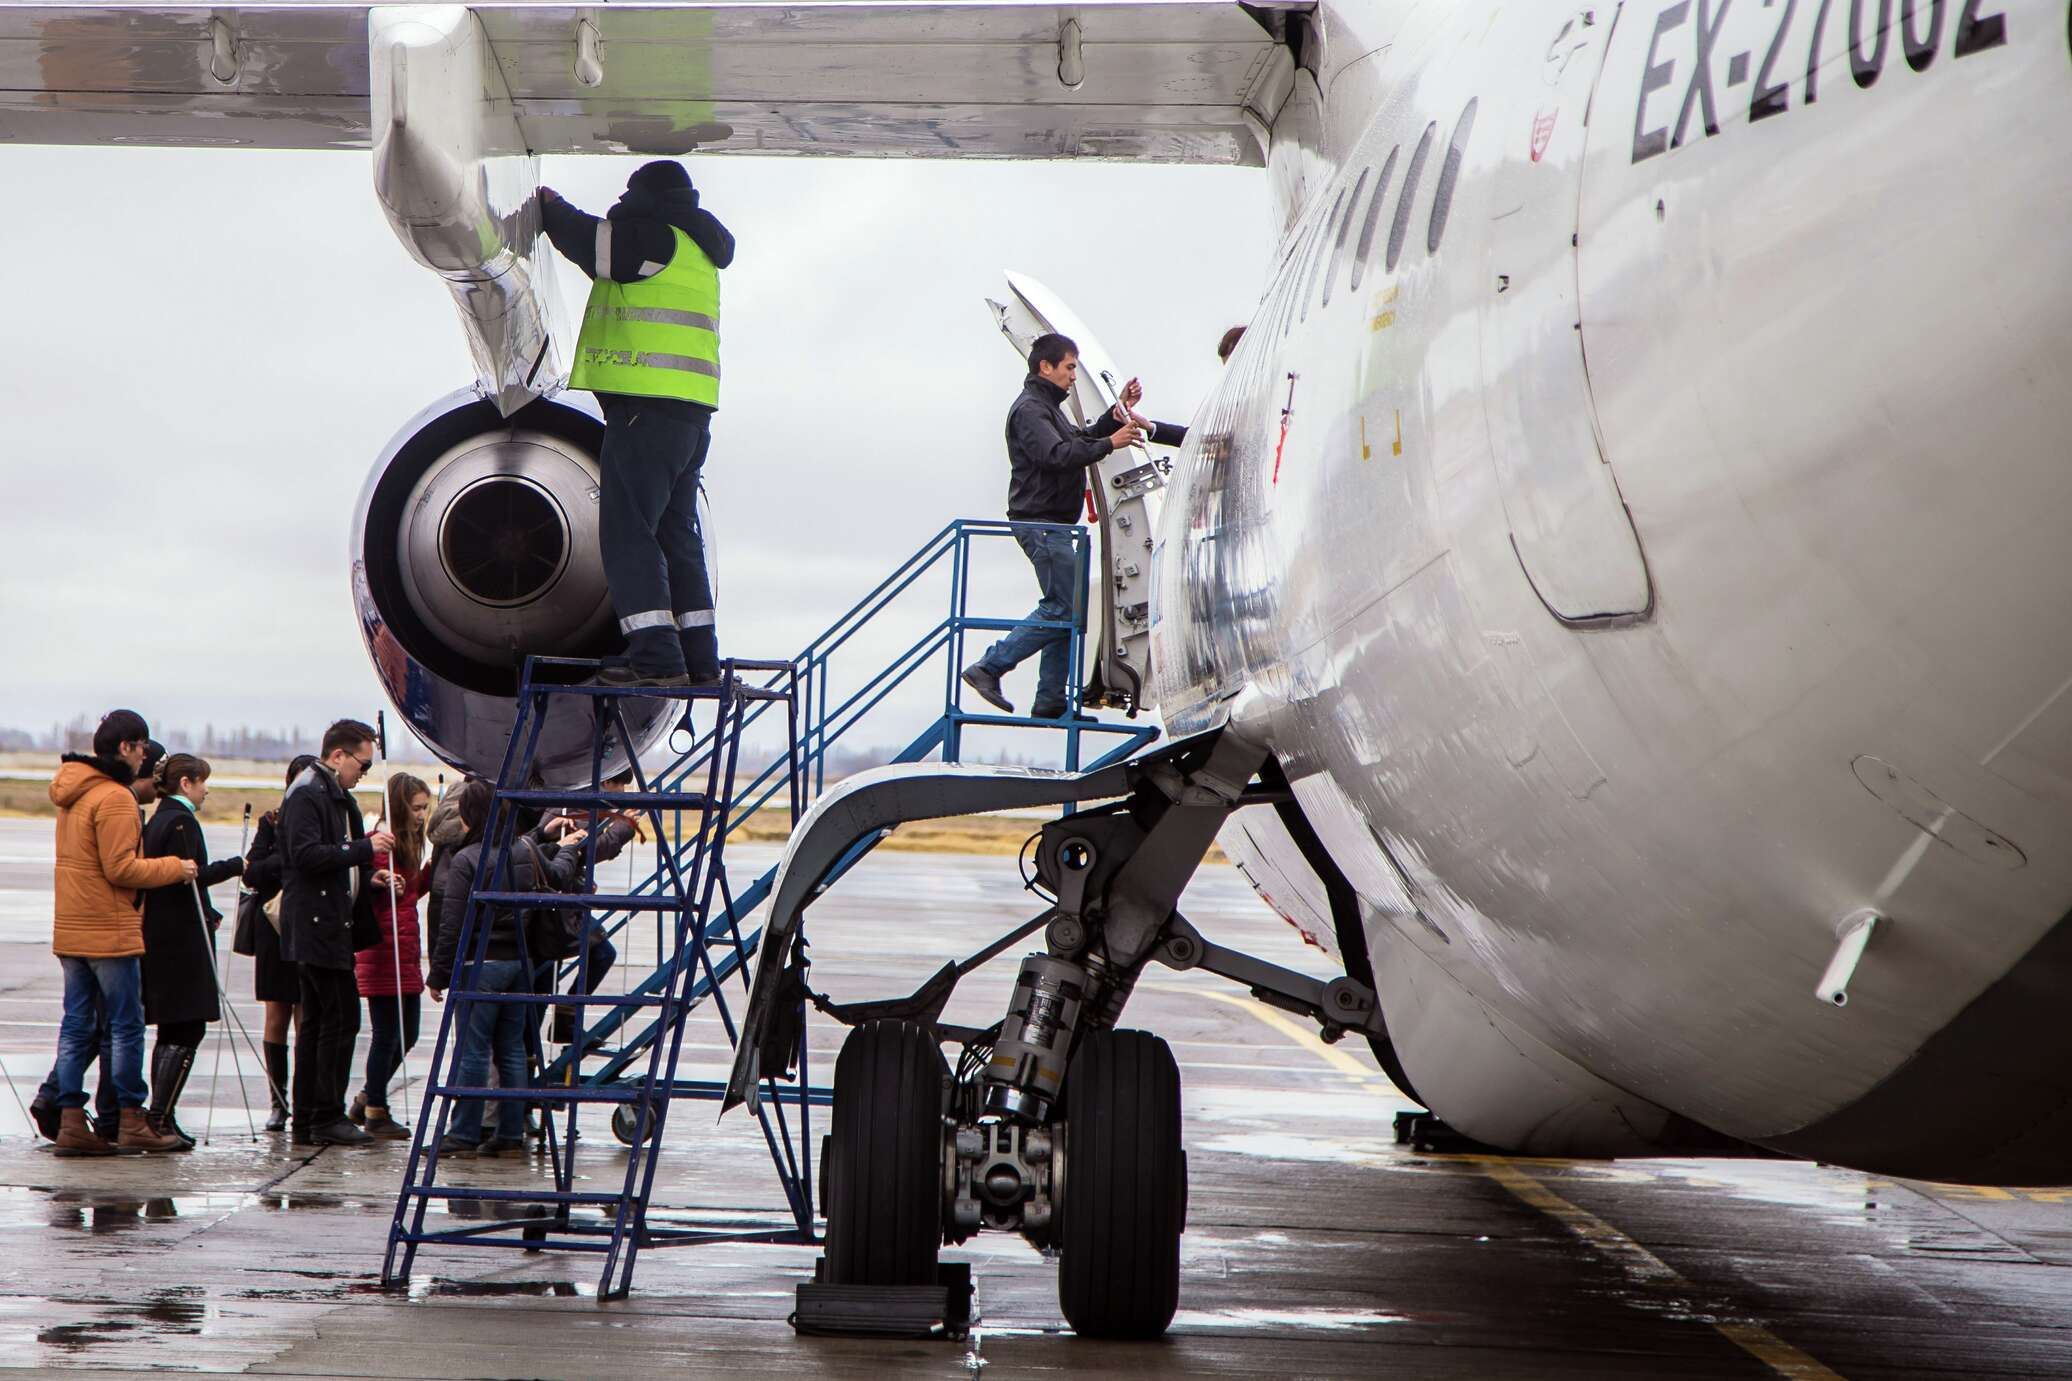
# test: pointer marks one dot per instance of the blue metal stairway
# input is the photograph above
(627, 1057)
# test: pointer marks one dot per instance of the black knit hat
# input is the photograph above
(662, 175)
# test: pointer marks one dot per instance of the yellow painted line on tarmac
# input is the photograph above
(1340, 1060)
(1640, 1263)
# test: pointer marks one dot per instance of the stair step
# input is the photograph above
(616, 800)
(587, 901)
(511, 1196)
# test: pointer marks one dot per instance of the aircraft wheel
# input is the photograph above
(884, 1157)
(1124, 1199)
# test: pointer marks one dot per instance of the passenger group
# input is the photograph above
(328, 912)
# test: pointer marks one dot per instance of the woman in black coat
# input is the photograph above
(180, 938)
(275, 981)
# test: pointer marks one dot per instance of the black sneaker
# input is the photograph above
(460, 1146)
(339, 1133)
(1063, 716)
(46, 1115)
(987, 685)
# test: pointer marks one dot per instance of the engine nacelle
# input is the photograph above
(476, 546)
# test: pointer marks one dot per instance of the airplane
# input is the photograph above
(1608, 602)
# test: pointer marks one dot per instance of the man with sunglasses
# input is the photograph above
(327, 864)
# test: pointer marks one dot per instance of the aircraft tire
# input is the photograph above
(1124, 1203)
(885, 1156)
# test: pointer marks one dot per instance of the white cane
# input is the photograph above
(208, 944)
(401, 1072)
(244, 838)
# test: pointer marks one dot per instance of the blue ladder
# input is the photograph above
(716, 942)
(692, 873)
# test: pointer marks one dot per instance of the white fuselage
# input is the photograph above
(1658, 554)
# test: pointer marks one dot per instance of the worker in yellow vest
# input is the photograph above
(649, 350)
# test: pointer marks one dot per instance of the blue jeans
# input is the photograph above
(116, 985)
(493, 1028)
(647, 530)
(1057, 576)
(104, 1090)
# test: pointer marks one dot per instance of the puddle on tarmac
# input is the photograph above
(179, 1310)
(100, 1211)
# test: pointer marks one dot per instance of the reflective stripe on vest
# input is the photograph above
(657, 338)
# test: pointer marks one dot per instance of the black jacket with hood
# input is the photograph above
(557, 869)
(641, 241)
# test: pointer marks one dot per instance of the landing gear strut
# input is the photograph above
(1056, 1124)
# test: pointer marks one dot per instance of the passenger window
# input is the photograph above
(1381, 192)
(1316, 261)
(1449, 173)
(1401, 227)
(1344, 227)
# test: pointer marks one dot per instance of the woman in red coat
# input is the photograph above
(389, 974)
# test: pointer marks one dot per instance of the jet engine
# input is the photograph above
(476, 546)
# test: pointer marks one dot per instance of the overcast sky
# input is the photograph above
(205, 350)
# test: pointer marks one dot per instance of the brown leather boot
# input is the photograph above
(76, 1138)
(139, 1135)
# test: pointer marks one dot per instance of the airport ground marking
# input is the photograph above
(1651, 1270)
(1340, 1060)
(1643, 1265)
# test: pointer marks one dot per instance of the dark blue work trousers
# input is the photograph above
(647, 517)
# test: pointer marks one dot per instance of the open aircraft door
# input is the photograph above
(1125, 489)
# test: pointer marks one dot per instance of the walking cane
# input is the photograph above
(388, 798)
(208, 943)
(244, 838)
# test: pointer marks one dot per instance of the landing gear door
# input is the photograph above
(1125, 488)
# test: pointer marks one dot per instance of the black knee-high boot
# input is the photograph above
(277, 1077)
(170, 1065)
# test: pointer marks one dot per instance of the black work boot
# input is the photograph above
(170, 1065)
(700, 654)
(652, 658)
(987, 685)
(277, 1085)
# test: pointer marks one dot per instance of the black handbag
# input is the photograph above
(551, 932)
(251, 914)
(366, 930)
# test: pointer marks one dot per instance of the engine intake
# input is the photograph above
(477, 546)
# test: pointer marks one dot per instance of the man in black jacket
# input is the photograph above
(1048, 459)
(327, 861)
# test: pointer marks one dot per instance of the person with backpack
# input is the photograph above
(493, 1030)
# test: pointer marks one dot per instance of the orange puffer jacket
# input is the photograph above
(99, 870)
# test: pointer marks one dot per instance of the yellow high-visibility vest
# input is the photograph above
(657, 338)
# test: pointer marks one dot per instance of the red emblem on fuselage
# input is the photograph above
(1542, 132)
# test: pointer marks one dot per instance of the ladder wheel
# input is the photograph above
(623, 1124)
(1124, 1199)
(885, 1155)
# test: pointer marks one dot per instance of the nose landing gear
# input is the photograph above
(1056, 1125)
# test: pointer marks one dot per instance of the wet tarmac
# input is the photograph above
(1316, 1246)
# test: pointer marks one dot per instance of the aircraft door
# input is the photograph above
(1569, 525)
(1126, 489)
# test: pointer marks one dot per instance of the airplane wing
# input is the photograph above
(1186, 81)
